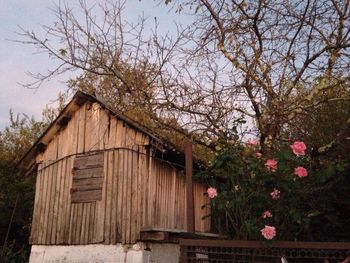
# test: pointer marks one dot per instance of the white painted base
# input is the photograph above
(137, 253)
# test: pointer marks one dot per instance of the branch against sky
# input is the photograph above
(277, 51)
(136, 64)
(257, 59)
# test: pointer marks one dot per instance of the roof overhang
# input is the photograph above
(28, 162)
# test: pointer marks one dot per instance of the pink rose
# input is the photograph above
(298, 148)
(300, 172)
(212, 193)
(251, 142)
(258, 155)
(266, 214)
(271, 165)
(268, 232)
(275, 194)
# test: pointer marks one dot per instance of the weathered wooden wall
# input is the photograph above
(165, 194)
(138, 190)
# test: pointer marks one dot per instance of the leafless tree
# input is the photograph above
(266, 60)
(282, 54)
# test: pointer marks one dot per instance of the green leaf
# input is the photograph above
(313, 213)
(326, 174)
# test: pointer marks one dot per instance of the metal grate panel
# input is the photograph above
(259, 252)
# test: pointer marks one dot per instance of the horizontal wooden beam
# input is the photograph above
(261, 244)
(171, 235)
(154, 236)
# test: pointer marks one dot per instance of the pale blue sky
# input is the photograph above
(17, 59)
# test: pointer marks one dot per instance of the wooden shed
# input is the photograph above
(103, 179)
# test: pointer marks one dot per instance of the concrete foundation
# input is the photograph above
(137, 253)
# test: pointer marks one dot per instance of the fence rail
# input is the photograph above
(200, 250)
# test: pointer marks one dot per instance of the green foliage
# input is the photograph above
(16, 190)
(18, 137)
(326, 122)
(308, 208)
(15, 254)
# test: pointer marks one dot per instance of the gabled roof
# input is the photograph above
(27, 162)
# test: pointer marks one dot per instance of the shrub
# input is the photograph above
(284, 196)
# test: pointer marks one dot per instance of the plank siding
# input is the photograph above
(66, 211)
(37, 207)
(138, 190)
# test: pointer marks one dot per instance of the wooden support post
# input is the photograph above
(189, 189)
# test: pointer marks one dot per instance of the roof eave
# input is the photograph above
(28, 160)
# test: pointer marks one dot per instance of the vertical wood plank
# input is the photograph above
(164, 214)
(158, 194)
(112, 133)
(181, 209)
(167, 180)
(72, 223)
(108, 197)
(61, 143)
(120, 139)
(61, 203)
(47, 205)
(127, 197)
(92, 226)
(59, 146)
(37, 207)
(176, 223)
(160, 198)
(87, 223)
(141, 170)
(145, 189)
(190, 217)
(155, 206)
(167, 203)
(199, 201)
(134, 229)
(152, 191)
(101, 205)
(51, 218)
(68, 208)
(103, 129)
(173, 198)
(120, 200)
(56, 194)
(84, 208)
(81, 115)
(92, 127)
(139, 190)
(50, 153)
(78, 218)
(75, 133)
(64, 137)
(42, 204)
(114, 176)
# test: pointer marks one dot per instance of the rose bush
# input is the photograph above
(274, 197)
